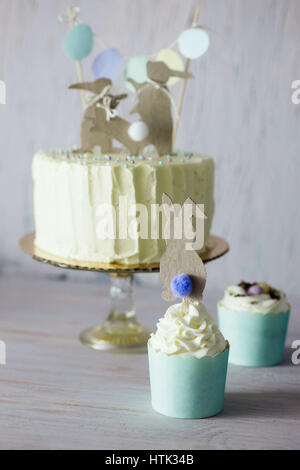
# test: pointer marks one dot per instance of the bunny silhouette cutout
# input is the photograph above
(154, 105)
(100, 123)
(177, 259)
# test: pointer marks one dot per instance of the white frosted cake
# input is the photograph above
(69, 188)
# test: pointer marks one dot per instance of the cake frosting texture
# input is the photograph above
(187, 330)
(69, 189)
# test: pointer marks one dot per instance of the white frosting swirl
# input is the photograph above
(236, 298)
(186, 330)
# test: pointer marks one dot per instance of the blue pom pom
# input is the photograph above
(181, 285)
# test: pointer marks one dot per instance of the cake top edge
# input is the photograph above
(71, 154)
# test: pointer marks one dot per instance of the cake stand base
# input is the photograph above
(121, 332)
(119, 340)
(123, 340)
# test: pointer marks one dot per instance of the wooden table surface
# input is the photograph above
(57, 394)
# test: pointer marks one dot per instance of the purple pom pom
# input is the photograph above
(181, 285)
(255, 290)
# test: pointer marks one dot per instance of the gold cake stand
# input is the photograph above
(121, 331)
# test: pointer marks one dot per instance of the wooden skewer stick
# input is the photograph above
(182, 91)
(77, 62)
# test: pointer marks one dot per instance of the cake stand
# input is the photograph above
(121, 332)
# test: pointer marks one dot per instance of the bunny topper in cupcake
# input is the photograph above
(182, 271)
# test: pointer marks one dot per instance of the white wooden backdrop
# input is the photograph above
(238, 110)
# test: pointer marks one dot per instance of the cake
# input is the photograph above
(93, 205)
(71, 187)
(254, 317)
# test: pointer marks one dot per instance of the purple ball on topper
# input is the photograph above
(255, 290)
(181, 285)
(107, 64)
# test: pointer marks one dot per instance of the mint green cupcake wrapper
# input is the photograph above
(256, 340)
(187, 387)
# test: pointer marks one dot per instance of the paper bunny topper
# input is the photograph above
(100, 123)
(159, 72)
(182, 271)
(154, 105)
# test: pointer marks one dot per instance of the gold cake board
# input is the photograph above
(26, 243)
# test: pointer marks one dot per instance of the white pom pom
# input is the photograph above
(138, 131)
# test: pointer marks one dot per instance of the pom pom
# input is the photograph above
(255, 290)
(181, 285)
(138, 131)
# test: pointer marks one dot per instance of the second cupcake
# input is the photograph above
(254, 317)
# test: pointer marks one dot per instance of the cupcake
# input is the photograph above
(188, 359)
(254, 317)
(188, 355)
